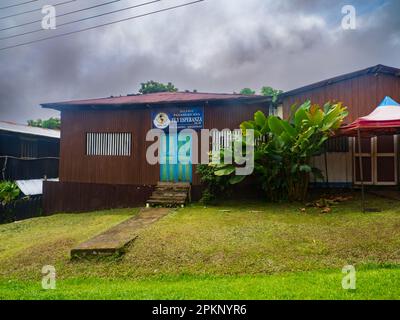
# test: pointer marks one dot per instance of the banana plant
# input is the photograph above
(284, 148)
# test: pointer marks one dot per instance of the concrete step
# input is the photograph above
(170, 194)
(175, 189)
(174, 184)
(167, 199)
(167, 202)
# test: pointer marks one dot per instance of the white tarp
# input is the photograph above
(32, 187)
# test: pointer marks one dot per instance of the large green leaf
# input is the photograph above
(299, 117)
(315, 115)
(260, 119)
(275, 125)
(305, 168)
(236, 179)
(290, 130)
(247, 125)
(225, 172)
(334, 118)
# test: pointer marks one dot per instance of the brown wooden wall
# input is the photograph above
(75, 166)
(361, 94)
(84, 197)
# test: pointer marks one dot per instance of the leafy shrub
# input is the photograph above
(9, 192)
(215, 186)
(283, 156)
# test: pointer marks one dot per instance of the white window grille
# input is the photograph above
(223, 139)
(108, 144)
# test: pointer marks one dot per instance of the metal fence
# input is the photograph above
(21, 209)
(25, 169)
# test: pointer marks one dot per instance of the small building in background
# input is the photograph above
(361, 91)
(28, 153)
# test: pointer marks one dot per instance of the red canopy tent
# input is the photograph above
(385, 119)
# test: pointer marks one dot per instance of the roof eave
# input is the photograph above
(382, 69)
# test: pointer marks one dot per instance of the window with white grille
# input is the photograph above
(109, 144)
(223, 139)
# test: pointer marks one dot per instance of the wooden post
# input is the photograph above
(361, 171)
(326, 167)
(3, 171)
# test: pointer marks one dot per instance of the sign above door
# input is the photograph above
(184, 118)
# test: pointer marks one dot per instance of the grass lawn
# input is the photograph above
(233, 251)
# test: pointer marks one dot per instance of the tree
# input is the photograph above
(271, 92)
(282, 158)
(154, 87)
(247, 92)
(52, 123)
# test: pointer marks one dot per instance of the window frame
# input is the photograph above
(108, 144)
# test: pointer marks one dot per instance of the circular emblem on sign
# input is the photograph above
(162, 121)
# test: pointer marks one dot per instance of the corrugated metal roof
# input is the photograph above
(20, 128)
(32, 187)
(371, 70)
(155, 98)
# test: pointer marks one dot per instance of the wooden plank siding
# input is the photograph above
(360, 94)
(83, 197)
(76, 166)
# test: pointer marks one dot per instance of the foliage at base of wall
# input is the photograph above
(215, 186)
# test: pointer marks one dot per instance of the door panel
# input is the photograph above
(176, 164)
(184, 158)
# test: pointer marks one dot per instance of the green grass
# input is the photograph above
(233, 251)
(371, 284)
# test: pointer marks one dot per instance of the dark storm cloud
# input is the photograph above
(217, 45)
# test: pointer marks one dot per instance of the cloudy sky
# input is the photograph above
(211, 46)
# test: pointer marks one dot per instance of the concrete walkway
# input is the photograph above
(115, 240)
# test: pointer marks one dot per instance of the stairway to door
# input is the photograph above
(170, 194)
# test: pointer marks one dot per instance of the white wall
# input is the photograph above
(340, 166)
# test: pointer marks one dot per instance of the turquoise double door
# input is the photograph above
(176, 158)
